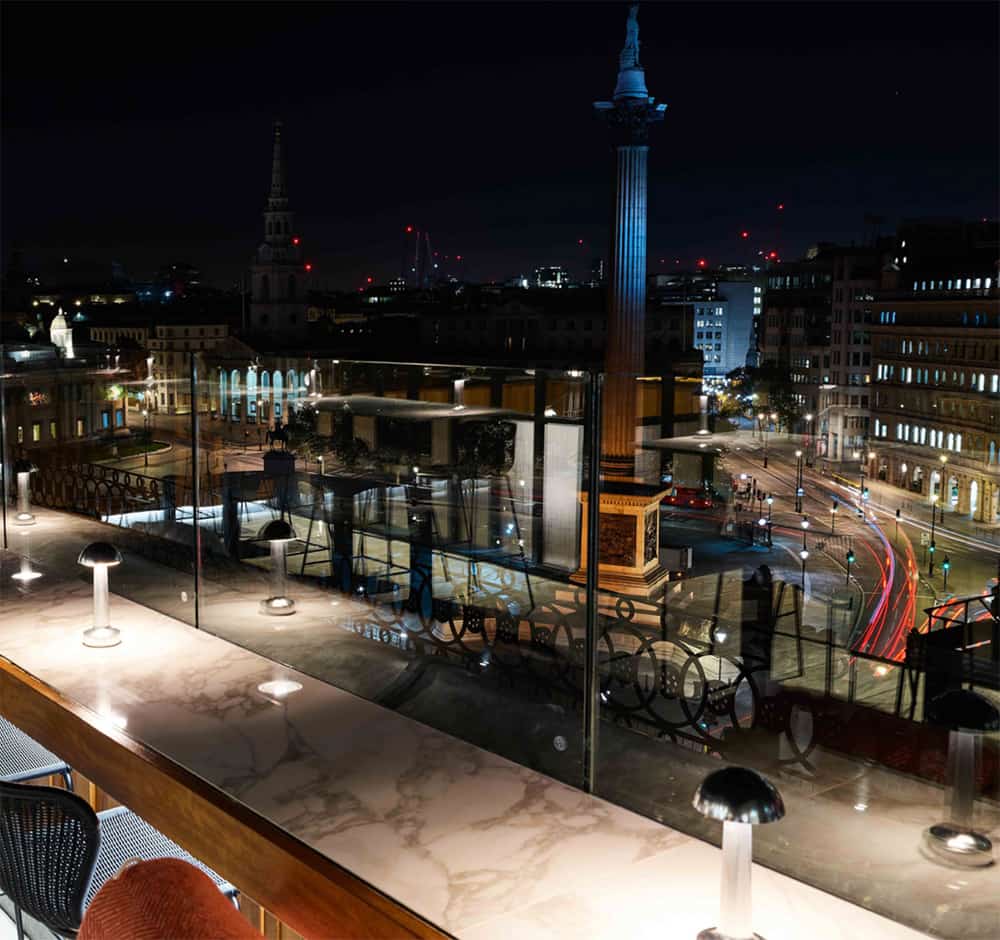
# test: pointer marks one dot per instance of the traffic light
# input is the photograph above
(932, 548)
(864, 493)
(850, 556)
(946, 564)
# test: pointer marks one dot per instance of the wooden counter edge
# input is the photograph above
(302, 887)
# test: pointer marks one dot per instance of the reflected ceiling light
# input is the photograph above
(279, 688)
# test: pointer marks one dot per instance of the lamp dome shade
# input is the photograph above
(277, 530)
(99, 553)
(23, 465)
(963, 710)
(738, 794)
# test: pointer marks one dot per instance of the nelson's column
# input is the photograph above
(629, 523)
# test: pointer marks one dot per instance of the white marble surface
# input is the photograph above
(476, 844)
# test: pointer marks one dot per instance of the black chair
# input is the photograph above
(49, 840)
(23, 758)
(56, 853)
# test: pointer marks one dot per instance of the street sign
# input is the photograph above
(925, 538)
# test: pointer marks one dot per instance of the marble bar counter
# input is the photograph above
(478, 846)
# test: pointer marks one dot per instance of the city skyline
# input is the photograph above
(131, 154)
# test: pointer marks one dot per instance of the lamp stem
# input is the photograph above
(102, 614)
(23, 502)
(962, 749)
(735, 899)
(278, 569)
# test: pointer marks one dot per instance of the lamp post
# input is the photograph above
(804, 553)
(23, 468)
(740, 798)
(277, 533)
(967, 716)
(932, 547)
(798, 481)
(145, 434)
(100, 556)
(810, 445)
(833, 517)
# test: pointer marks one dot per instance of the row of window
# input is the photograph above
(971, 283)
(80, 427)
(886, 372)
(924, 436)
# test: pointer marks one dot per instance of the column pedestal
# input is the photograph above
(629, 555)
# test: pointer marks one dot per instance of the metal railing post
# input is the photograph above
(591, 672)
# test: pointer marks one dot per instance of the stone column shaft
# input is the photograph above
(626, 311)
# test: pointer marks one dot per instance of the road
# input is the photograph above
(891, 566)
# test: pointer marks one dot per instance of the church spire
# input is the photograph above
(278, 190)
(278, 220)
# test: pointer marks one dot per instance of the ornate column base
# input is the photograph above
(629, 556)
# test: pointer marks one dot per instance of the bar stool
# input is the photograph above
(56, 853)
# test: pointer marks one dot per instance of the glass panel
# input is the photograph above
(409, 533)
(116, 469)
(745, 622)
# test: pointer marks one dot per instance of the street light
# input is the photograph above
(804, 554)
(931, 548)
(798, 481)
(833, 517)
(145, 431)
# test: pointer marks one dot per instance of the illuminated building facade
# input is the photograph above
(936, 369)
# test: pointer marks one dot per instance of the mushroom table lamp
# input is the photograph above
(966, 715)
(100, 556)
(740, 798)
(22, 470)
(278, 534)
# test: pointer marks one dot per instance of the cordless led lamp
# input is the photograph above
(967, 716)
(740, 798)
(278, 534)
(100, 556)
(23, 469)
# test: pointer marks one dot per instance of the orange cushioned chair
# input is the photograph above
(166, 897)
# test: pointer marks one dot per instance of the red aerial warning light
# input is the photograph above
(295, 239)
(309, 266)
(579, 241)
(781, 206)
(744, 234)
(772, 255)
(409, 229)
(458, 257)
(370, 279)
(702, 262)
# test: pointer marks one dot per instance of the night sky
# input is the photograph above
(141, 133)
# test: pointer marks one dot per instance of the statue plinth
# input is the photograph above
(629, 550)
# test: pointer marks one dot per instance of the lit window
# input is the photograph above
(36, 430)
(979, 281)
(968, 283)
(80, 427)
